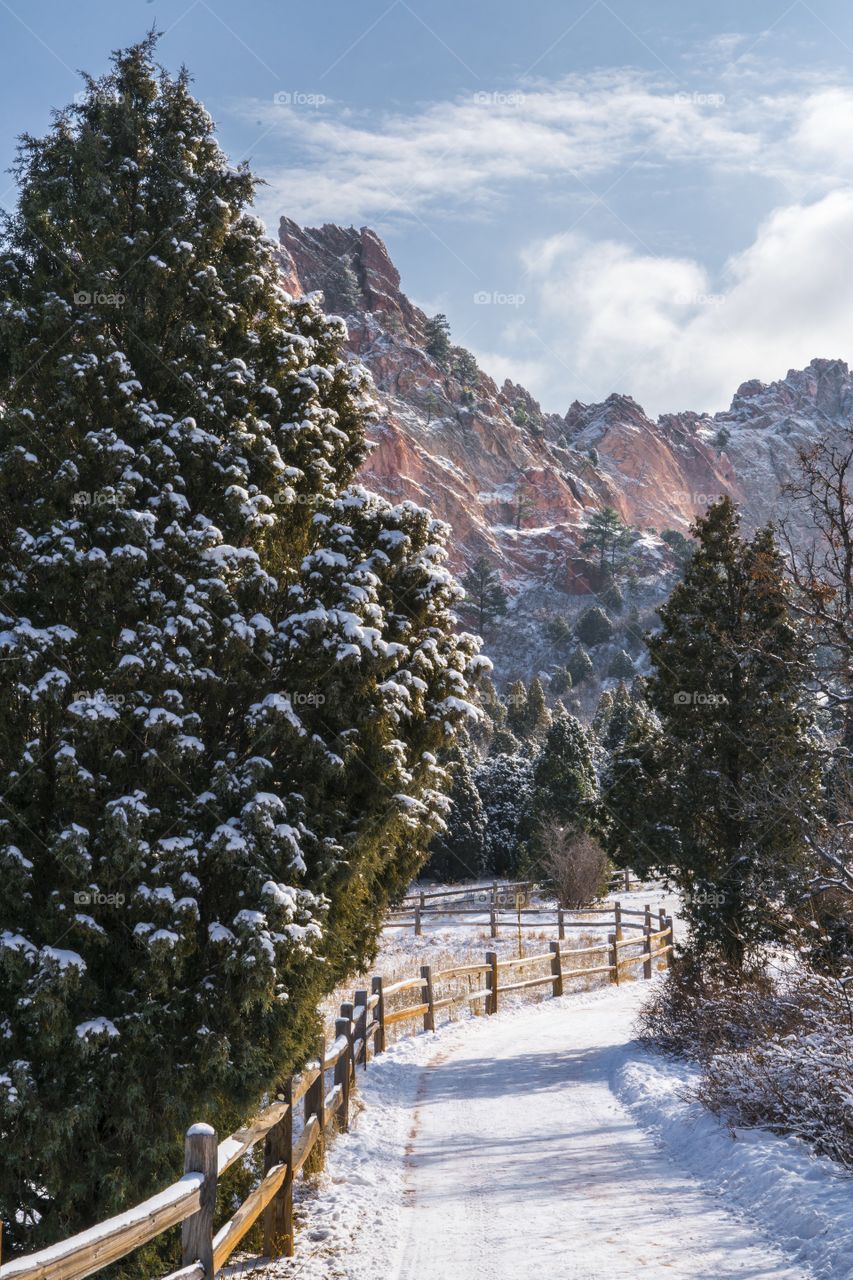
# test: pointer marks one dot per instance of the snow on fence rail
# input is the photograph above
(518, 916)
(360, 1033)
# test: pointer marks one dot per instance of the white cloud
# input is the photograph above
(466, 153)
(664, 331)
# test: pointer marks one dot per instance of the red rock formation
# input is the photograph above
(516, 482)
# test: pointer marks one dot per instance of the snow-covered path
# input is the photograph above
(523, 1163)
(545, 1142)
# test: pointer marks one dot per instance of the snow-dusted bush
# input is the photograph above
(774, 1053)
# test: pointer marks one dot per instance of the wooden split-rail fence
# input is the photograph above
(320, 1098)
(505, 905)
(499, 895)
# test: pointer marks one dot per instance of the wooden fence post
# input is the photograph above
(418, 927)
(361, 1026)
(617, 919)
(561, 924)
(197, 1231)
(670, 941)
(627, 880)
(315, 1105)
(379, 1015)
(661, 918)
(492, 982)
(493, 921)
(343, 1072)
(556, 969)
(613, 958)
(647, 944)
(278, 1149)
(647, 922)
(428, 998)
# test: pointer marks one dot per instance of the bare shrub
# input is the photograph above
(777, 1054)
(575, 862)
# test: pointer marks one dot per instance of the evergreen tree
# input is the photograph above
(458, 852)
(603, 714)
(537, 715)
(504, 742)
(437, 339)
(612, 598)
(593, 626)
(527, 711)
(564, 781)
(580, 666)
(603, 530)
(483, 584)
(621, 665)
(609, 536)
(681, 547)
(516, 708)
(720, 795)
(504, 784)
(561, 681)
(226, 674)
(464, 367)
(558, 631)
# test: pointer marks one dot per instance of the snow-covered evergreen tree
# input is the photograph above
(458, 851)
(505, 786)
(564, 780)
(226, 675)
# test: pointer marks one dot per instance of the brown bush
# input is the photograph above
(575, 862)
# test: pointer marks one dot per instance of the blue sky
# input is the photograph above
(649, 197)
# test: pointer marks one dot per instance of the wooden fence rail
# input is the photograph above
(360, 1034)
(524, 918)
(490, 894)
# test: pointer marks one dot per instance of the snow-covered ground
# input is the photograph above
(543, 1142)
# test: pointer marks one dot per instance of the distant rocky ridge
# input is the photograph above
(517, 483)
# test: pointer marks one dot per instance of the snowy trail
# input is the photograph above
(523, 1163)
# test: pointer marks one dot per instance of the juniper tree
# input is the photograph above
(504, 784)
(593, 626)
(458, 850)
(226, 673)
(720, 793)
(564, 782)
(580, 666)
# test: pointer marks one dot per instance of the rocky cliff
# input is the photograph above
(517, 483)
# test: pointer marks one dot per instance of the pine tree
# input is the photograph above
(564, 780)
(226, 674)
(537, 716)
(482, 582)
(720, 794)
(516, 708)
(621, 665)
(603, 530)
(458, 852)
(580, 666)
(464, 367)
(561, 681)
(504, 784)
(564, 775)
(437, 339)
(593, 626)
